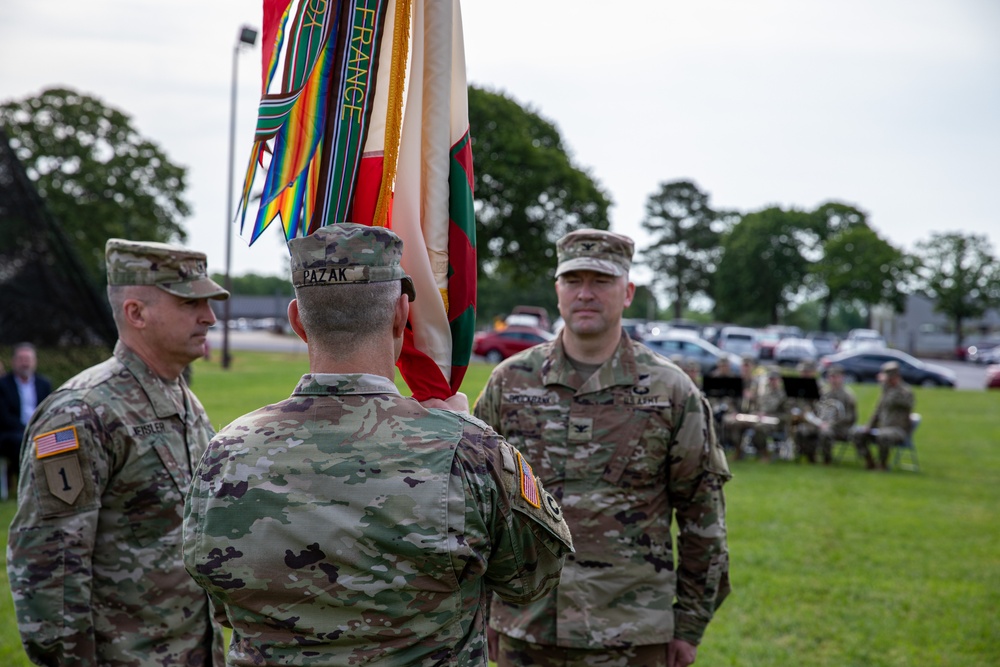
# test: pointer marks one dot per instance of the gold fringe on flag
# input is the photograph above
(394, 110)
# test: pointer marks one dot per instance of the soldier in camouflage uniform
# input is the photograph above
(733, 428)
(890, 422)
(94, 554)
(771, 405)
(722, 406)
(839, 410)
(624, 439)
(802, 418)
(349, 524)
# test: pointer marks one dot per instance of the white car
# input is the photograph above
(741, 341)
(792, 351)
(859, 339)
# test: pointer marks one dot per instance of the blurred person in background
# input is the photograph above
(21, 391)
(890, 423)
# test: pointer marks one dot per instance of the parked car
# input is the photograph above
(532, 316)
(689, 346)
(863, 366)
(993, 376)
(498, 345)
(636, 329)
(825, 342)
(858, 339)
(984, 352)
(991, 356)
(862, 333)
(792, 351)
(741, 341)
(766, 342)
(656, 328)
(786, 330)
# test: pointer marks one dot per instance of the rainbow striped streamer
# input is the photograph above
(371, 118)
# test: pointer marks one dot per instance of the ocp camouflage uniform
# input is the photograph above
(94, 552)
(348, 524)
(623, 451)
(771, 402)
(720, 408)
(839, 409)
(733, 428)
(804, 433)
(892, 419)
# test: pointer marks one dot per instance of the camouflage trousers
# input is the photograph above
(828, 438)
(886, 439)
(761, 434)
(518, 653)
(736, 432)
(808, 444)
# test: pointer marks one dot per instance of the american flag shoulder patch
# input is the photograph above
(56, 442)
(529, 487)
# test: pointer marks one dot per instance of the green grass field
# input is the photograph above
(831, 566)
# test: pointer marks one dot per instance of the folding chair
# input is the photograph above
(783, 445)
(842, 448)
(908, 448)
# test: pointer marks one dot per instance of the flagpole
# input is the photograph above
(247, 35)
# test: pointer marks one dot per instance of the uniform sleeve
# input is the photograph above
(901, 400)
(529, 538)
(850, 410)
(698, 471)
(194, 539)
(51, 539)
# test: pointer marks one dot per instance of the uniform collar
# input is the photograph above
(618, 370)
(341, 384)
(151, 383)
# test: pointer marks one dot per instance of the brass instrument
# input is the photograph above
(756, 419)
(829, 409)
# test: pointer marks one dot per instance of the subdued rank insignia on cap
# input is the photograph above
(56, 442)
(529, 488)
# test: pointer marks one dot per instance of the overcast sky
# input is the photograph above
(890, 105)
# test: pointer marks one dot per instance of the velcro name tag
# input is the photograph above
(56, 442)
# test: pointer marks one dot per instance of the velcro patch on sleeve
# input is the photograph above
(56, 442)
(529, 487)
(64, 477)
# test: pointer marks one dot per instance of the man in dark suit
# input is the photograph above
(21, 391)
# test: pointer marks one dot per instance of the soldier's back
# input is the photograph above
(340, 529)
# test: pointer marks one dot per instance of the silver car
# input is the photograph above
(689, 346)
(792, 351)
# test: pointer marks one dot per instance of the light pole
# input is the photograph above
(247, 36)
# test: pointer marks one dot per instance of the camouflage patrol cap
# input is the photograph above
(890, 368)
(175, 270)
(347, 253)
(594, 250)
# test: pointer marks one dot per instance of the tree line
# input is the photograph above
(100, 178)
